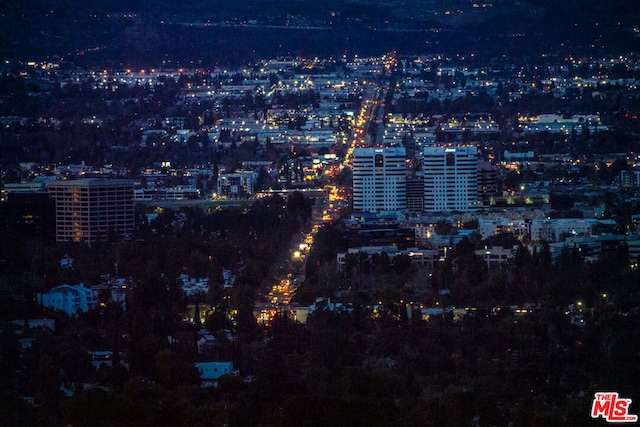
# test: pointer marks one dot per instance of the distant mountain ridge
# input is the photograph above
(142, 32)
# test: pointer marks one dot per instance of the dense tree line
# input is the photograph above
(159, 348)
(536, 366)
(386, 365)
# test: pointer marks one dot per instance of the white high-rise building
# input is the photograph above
(379, 179)
(450, 179)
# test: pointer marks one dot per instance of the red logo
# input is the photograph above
(612, 408)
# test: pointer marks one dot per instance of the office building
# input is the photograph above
(415, 194)
(379, 179)
(450, 179)
(487, 182)
(93, 209)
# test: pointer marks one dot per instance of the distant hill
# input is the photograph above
(145, 33)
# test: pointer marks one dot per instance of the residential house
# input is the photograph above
(69, 299)
(210, 372)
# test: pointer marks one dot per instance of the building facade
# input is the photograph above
(415, 194)
(236, 185)
(379, 179)
(70, 299)
(93, 209)
(630, 179)
(211, 372)
(487, 182)
(450, 179)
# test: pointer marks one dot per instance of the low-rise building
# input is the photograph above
(193, 286)
(36, 323)
(496, 256)
(424, 257)
(236, 185)
(206, 341)
(539, 230)
(492, 227)
(69, 299)
(630, 178)
(593, 247)
(554, 230)
(180, 192)
(211, 372)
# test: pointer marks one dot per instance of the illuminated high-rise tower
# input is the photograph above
(450, 179)
(379, 179)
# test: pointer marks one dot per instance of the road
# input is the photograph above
(291, 270)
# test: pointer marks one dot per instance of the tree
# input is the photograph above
(93, 407)
(242, 300)
(264, 181)
(345, 177)
(171, 369)
(443, 227)
(513, 180)
(560, 202)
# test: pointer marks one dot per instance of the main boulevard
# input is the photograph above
(288, 273)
